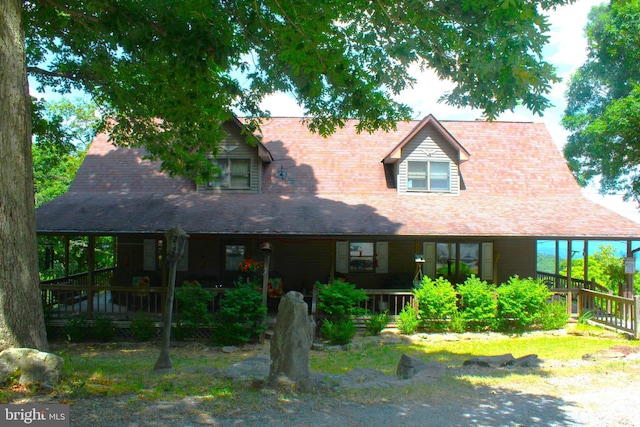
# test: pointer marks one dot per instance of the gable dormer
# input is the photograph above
(427, 160)
(240, 160)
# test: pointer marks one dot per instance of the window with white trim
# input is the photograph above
(429, 175)
(234, 174)
(362, 257)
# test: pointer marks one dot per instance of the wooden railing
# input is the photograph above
(617, 312)
(556, 281)
(390, 300)
(69, 297)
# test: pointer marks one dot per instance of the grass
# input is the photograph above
(126, 369)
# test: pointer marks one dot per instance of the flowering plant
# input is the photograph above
(249, 266)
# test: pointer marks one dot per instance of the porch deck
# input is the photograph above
(73, 296)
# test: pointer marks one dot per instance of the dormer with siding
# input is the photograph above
(241, 163)
(427, 161)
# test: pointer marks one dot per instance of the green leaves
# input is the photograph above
(169, 74)
(603, 101)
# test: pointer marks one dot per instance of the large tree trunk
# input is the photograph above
(21, 316)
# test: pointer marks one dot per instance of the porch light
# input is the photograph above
(176, 242)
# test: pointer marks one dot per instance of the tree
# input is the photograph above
(21, 317)
(603, 102)
(168, 73)
(62, 130)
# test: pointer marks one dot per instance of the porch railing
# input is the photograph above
(73, 296)
(620, 313)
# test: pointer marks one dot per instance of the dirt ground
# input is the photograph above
(599, 399)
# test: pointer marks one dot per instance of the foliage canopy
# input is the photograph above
(167, 74)
(603, 102)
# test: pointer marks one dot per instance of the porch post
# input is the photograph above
(569, 259)
(66, 256)
(557, 275)
(637, 316)
(92, 268)
(629, 291)
(586, 260)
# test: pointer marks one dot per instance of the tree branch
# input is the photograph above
(70, 76)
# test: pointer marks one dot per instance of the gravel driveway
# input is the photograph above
(608, 398)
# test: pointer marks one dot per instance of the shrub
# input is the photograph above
(103, 329)
(457, 323)
(376, 323)
(520, 303)
(436, 302)
(554, 315)
(408, 320)
(76, 329)
(338, 332)
(478, 303)
(193, 307)
(143, 326)
(241, 315)
(340, 299)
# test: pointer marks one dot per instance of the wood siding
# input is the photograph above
(516, 256)
(429, 145)
(234, 146)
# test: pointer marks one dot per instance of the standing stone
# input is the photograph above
(291, 343)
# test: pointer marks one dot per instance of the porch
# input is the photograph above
(76, 295)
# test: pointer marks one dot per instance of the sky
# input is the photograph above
(566, 50)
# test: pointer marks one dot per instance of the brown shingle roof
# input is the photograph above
(516, 184)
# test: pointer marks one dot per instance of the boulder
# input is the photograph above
(291, 343)
(34, 366)
(411, 367)
(528, 361)
(490, 361)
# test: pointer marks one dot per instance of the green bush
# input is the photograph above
(103, 329)
(143, 326)
(437, 302)
(457, 323)
(241, 315)
(193, 309)
(408, 320)
(520, 303)
(554, 315)
(338, 332)
(376, 323)
(76, 329)
(478, 303)
(340, 299)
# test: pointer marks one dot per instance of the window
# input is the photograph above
(453, 260)
(234, 173)
(362, 257)
(428, 176)
(233, 256)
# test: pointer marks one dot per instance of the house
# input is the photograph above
(432, 197)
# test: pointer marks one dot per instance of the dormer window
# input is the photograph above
(428, 175)
(234, 174)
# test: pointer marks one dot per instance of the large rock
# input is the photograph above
(490, 361)
(34, 366)
(505, 361)
(410, 367)
(291, 343)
